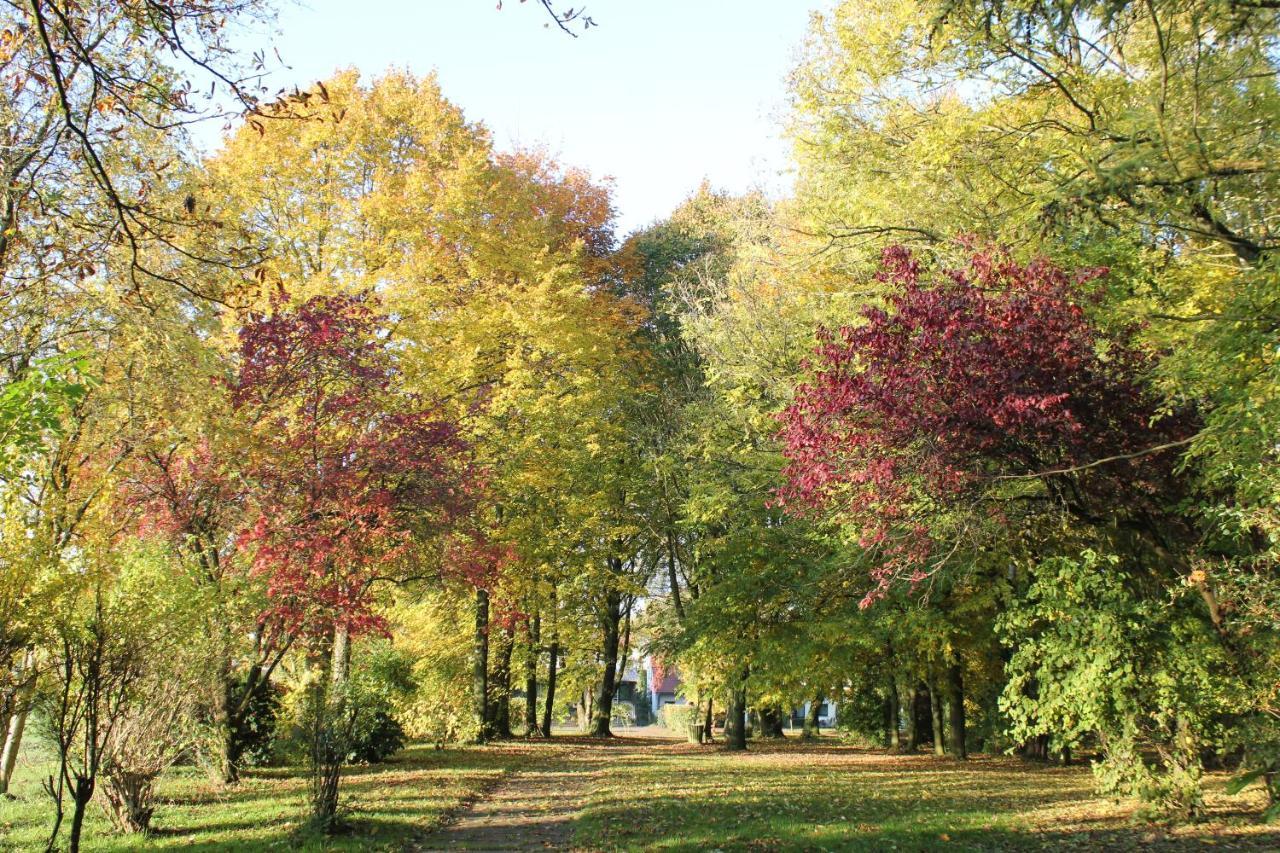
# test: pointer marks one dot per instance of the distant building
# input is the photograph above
(826, 715)
(628, 693)
(664, 689)
(664, 685)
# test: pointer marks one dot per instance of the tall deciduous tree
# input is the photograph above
(350, 469)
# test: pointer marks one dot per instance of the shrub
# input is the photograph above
(439, 707)
(147, 738)
(678, 717)
(253, 739)
(375, 737)
(1095, 653)
(860, 718)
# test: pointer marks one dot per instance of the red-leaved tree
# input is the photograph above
(348, 470)
(968, 380)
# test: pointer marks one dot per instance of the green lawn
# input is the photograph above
(386, 806)
(793, 796)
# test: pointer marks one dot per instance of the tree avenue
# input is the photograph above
(360, 432)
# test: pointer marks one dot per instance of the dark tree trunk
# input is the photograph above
(893, 714)
(534, 629)
(500, 688)
(624, 648)
(673, 577)
(80, 801)
(955, 702)
(550, 705)
(920, 707)
(735, 720)
(553, 666)
(1037, 748)
(708, 722)
(480, 666)
(812, 727)
(935, 715)
(609, 652)
(911, 736)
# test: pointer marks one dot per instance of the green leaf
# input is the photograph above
(1239, 783)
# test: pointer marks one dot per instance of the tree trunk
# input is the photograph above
(624, 648)
(921, 708)
(80, 797)
(1037, 748)
(227, 761)
(735, 720)
(893, 712)
(935, 715)
(586, 702)
(911, 736)
(17, 719)
(534, 628)
(609, 652)
(12, 743)
(955, 702)
(500, 688)
(811, 725)
(340, 664)
(480, 666)
(672, 576)
(331, 742)
(552, 667)
(708, 723)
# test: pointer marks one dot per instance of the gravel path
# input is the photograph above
(533, 807)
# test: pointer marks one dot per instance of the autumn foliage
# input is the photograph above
(965, 378)
(349, 468)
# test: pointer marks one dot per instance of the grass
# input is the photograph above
(795, 796)
(640, 794)
(385, 807)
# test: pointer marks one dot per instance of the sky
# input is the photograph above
(659, 96)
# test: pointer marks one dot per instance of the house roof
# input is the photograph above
(666, 679)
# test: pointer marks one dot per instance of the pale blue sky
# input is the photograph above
(660, 95)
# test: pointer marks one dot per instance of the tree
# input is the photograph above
(122, 629)
(977, 378)
(1135, 136)
(81, 73)
(349, 472)
(982, 403)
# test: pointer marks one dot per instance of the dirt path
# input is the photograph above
(533, 808)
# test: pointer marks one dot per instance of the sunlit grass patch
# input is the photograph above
(828, 797)
(384, 807)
